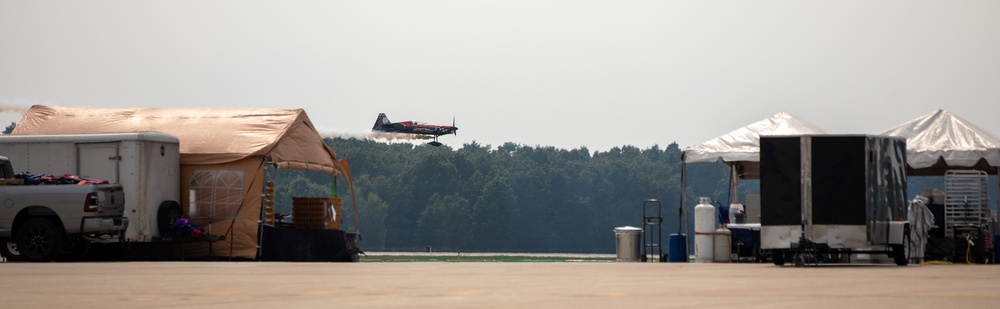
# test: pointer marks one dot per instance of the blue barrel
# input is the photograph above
(677, 248)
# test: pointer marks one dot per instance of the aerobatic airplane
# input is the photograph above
(382, 124)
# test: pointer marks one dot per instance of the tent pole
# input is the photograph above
(683, 218)
(261, 215)
(733, 184)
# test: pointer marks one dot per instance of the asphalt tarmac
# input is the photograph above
(494, 285)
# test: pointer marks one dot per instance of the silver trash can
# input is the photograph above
(627, 242)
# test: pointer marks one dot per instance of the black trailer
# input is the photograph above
(833, 195)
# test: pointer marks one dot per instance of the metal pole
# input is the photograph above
(806, 185)
(261, 215)
(680, 210)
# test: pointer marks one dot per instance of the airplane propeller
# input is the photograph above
(454, 130)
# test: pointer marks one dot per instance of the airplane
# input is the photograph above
(382, 124)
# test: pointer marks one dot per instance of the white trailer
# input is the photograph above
(146, 164)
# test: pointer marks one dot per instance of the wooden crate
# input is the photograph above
(5, 182)
(316, 212)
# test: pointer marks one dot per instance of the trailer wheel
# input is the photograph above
(8, 248)
(40, 240)
(74, 251)
(166, 215)
(899, 255)
(778, 257)
(899, 251)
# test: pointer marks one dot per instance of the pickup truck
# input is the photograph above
(40, 222)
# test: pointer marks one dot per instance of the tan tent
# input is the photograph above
(224, 153)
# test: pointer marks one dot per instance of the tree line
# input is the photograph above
(511, 198)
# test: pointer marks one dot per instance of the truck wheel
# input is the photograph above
(168, 213)
(9, 250)
(40, 240)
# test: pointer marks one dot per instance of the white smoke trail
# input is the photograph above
(8, 108)
(386, 137)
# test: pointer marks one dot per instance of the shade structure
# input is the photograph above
(740, 148)
(224, 153)
(940, 140)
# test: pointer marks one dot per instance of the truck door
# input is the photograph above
(98, 161)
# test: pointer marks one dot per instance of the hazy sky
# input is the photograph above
(567, 74)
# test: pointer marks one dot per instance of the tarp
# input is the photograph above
(207, 135)
(941, 140)
(223, 155)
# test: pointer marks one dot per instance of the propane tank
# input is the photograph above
(723, 250)
(704, 228)
(736, 213)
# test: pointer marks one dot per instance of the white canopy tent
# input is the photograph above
(743, 144)
(740, 148)
(940, 140)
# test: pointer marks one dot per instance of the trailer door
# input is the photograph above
(98, 161)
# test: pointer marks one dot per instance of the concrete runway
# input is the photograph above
(493, 285)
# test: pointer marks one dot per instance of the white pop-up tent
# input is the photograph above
(740, 148)
(940, 140)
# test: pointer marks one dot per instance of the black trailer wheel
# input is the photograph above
(40, 240)
(899, 251)
(166, 215)
(8, 248)
(899, 255)
(778, 257)
(74, 251)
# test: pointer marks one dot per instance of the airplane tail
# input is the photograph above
(381, 122)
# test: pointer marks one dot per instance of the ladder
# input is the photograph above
(652, 231)
(966, 206)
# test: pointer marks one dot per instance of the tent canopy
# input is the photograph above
(207, 135)
(741, 147)
(222, 156)
(940, 140)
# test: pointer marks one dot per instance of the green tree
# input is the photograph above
(507, 198)
(10, 128)
(372, 212)
(491, 216)
(447, 222)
